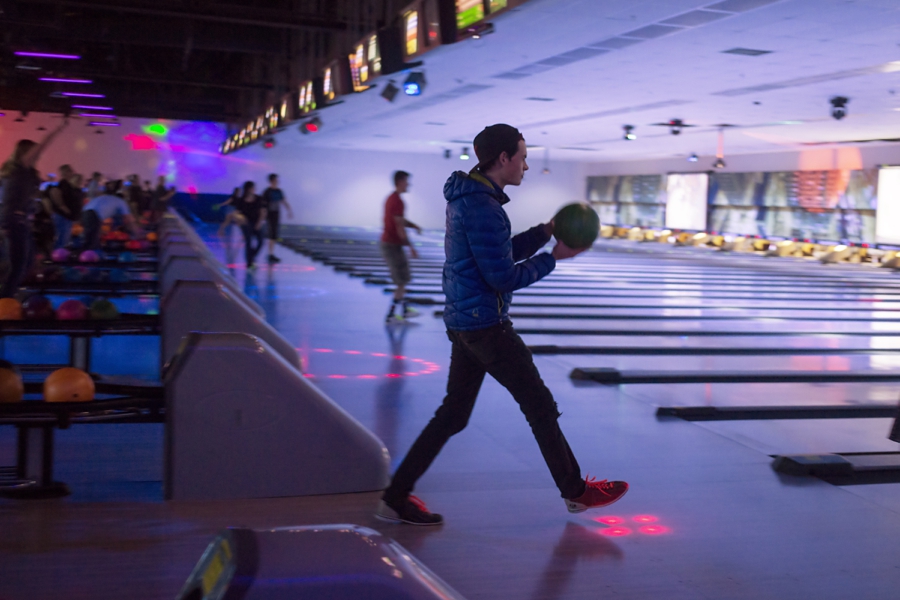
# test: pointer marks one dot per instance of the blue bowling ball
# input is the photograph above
(127, 257)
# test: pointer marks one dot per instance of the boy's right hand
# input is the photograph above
(561, 251)
(413, 253)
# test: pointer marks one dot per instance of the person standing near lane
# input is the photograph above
(254, 212)
(273, 198)
(393, 238)
(66, 201)
(20, 189)
(484, 266)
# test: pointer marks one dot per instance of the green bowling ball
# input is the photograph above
(576, 225)
(103, 309)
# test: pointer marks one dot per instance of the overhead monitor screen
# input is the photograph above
(498, 5)
(887, 215)
(373, 57)
(327, 85)
(411, 29)
(468, 12)
(686, 201)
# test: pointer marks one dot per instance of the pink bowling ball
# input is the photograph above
(60, 255)
(89, 256)
(72, 310)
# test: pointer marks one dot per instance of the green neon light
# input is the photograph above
(156, 129)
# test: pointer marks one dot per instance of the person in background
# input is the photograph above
(20, 189)
(393, 238)
(95, 185)
(160, 198)
(66, 203)
(253, 210)
(232, 217)
(273, 198)
(135, 196)
(106, 206)
(49, 182)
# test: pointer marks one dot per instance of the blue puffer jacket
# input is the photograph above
(484, 264)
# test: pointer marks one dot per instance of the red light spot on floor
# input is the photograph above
(615, 531)
(610, 520)
(367, 376)
(379, 354)
(337, 377)
(352, 352)
(393, 375)
(400, 357)
(645, 519)
(323, 350)
(653, 529)
(309, 375)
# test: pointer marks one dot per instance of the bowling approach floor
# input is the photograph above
(706, 516)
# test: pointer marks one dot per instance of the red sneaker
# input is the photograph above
(596, 494)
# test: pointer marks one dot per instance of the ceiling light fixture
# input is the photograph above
(693, 158)
(839, 107)
(97, 115)
(629, 132)
(720, 150)
(103, 124)
(311, 126)
(465, 154)
(81, 95)
(414, 84)
(447, 153)
(64, 80)
(390, 91)
(89, 107)
(48, 55)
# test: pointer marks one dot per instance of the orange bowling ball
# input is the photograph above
(77, 229)
(152, 237)
(11, 388)
(69, 385)
(10, 309)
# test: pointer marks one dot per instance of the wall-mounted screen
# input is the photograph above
(686, 201)
(411, 32)
(468, 12)
(887, 215)
(307, 99)
(359, 67)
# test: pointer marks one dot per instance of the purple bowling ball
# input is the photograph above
(89, 256)
(60, 255)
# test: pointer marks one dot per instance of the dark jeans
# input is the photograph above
(90, 221)
(253, 241)
(19, 250)
(500, 352)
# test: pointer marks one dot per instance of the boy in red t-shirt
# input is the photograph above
(392, 241)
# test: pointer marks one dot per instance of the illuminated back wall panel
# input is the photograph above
(887, 224)
(686, 201)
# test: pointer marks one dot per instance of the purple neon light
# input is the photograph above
(103, 124)
(47, 55)
(80, 95)
(99, 116)
(89, 107)
(64, 80)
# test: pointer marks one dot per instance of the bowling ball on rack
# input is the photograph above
(60, 255)
(119, 276)
(103, 309)
(10, 309)
(576, 225)
(127, 257)
(38, 308)
(132, 245)
(73, 274)
(69, 385)
(152, 236)
(72, 310)
(11, 387)
(89, 256)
